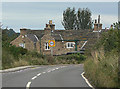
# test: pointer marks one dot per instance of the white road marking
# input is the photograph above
(86, 81)
(28, 85)
(57, 68)
(34, 77)
(43, 72)
(39, 74)
(53, 69)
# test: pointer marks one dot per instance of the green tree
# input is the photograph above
(84, 20)
(77, 21)
(69, 19)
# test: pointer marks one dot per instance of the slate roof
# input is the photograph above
(64, 34)
(56, 36)
(32, 37)
(38, 33)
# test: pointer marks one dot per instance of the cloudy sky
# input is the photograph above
(35, 15)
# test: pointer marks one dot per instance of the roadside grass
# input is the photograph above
(34, 58)
(101, 65)
(102, 72)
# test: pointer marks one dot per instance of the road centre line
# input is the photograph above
(53, 69)
(39, 74)
(28, 85)
(34, 77)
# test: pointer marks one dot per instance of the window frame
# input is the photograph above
(22, 45)
(70, 44)
(46, 46)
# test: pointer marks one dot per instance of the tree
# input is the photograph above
(76, 21)
(69, 18)
(84, 20)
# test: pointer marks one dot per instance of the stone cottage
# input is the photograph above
(65, 40)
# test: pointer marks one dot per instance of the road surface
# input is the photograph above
(45, 76)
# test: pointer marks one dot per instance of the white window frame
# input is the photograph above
(22, 36)
(22, 45)
(69, 44)
(46, 46)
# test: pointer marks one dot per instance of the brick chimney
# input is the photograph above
(51, 25)
(50, 21)
(97, 26)
(23, 31)
(47, 30)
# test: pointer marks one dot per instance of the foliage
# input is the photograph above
(109, 40)
(69, 19)
(77, 20)
(102, 70)
(8, 35)
(84, 19)
(101, 67)
(72, 58)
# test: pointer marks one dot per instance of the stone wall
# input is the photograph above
(60, 46)
(44, 40)
(28, 43)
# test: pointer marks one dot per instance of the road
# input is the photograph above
(46, 76)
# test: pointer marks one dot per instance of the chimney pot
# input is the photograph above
(99, 19)
(95, 20)
(50, 21)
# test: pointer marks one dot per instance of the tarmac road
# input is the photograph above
(46, 76)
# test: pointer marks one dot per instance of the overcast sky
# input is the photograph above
(35, 15)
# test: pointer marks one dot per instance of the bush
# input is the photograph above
(103, 72)
(101, 66)
(7, 59)
(109, 40)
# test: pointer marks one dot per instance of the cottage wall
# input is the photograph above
(49, 33)
(38, 46)
(28, 43)
(44, 40)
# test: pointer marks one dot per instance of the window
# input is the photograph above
(22, 36)
(22, 45)
(70, 44)
(47, 46)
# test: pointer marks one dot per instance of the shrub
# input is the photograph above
(7, 59)
(101, 67)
